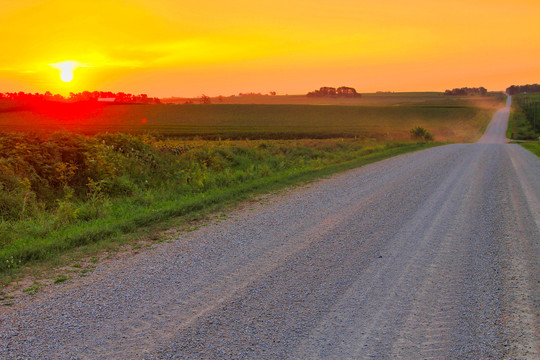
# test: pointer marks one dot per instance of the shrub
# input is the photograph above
(66, 212)
(119, 186)
(17, 200)
(419, 133)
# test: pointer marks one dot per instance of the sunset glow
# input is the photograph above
(169, 47)
(66, 69)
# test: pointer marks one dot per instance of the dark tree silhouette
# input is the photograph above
(518, 89)
(85, 96)
(205, 99)
(465, 91)
(343, 91)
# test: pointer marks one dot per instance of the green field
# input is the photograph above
(367, 99)
(448, 118)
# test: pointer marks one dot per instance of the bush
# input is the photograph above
(17, 200)
(66, 212)
(419, 133)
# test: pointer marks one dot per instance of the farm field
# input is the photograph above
(367, 99)
(449, 119)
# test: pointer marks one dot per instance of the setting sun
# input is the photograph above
(66, 69)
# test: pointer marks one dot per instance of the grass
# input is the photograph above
(60, 279)
(533, 147)
(520, 124)
(261, 166)
(519, 128)
(34, 289)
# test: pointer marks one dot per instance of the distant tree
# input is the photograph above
(250, 94)
(346, 92)
(518, 89)
(205, 99)
(272, 93)
(342, 91)
(85, 96)
(465, 91)
(324, 91)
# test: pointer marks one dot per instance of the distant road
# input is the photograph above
(430, 255)
(496, 131)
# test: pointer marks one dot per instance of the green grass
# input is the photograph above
(254, 167)
(519, 128)
(510, 130)
(520, 124)
(34, 289)
(60, 279)
(533, 147)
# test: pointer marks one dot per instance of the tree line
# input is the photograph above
(466, 91)
(342, 91)
(518, 89)
(119, 97)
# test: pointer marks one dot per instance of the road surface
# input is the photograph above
(427, 255)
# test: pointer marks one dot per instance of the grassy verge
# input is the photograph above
(520, 125)
(533, 147)
(71, 191)
(511, 129)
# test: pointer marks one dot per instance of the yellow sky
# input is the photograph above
(186, 48)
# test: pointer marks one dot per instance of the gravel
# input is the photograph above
(427, 255)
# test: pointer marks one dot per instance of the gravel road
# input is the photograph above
(433, 254)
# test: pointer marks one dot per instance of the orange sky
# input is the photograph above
(186, 48)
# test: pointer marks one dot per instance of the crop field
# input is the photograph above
(449, 119)
(524, 121)
(525, 115)
(367, 99)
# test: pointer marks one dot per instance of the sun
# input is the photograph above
(66, 69)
